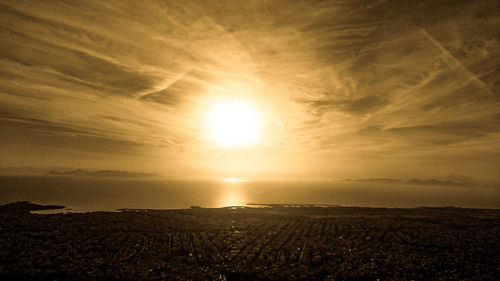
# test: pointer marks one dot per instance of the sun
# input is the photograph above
(234, 124)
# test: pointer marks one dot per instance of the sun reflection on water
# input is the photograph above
(232, 195)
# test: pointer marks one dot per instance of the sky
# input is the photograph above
(344, 89)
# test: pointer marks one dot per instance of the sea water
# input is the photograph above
(81, 194)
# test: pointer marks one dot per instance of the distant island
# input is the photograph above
(70, 171)
(26, 207)
(413, 181)
(99, 173)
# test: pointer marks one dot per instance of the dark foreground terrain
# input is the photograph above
(276, 243)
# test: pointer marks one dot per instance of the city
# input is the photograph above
(278, 242)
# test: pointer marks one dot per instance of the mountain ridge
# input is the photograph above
(100, 173)
(418, 181)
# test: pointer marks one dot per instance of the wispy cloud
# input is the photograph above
(336, 79)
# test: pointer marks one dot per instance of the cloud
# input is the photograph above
(337, 80)
(188, 84)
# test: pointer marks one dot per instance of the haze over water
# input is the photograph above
(81, 194)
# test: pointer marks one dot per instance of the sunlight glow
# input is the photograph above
(233, 179)
(234, 124)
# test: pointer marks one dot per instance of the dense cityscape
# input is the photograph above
(276, 242)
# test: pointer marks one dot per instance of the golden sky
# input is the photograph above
(343, 88)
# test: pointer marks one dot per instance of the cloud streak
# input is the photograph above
(342, 83)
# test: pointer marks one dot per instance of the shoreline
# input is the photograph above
(40, 209)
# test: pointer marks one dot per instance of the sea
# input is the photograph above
(84, 194)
